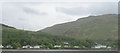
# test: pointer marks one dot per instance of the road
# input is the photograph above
(58, 51)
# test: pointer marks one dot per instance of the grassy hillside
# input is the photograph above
(102, 27)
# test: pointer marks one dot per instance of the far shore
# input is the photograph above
(51, 50)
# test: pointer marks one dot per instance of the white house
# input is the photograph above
(9, 46)
(27, 46)
(57, 46)
(100, 46)
(36, 47)
(1, 46)
(66, 43)
(31, 47)
(109, 47)
(76, 46)
(24, 47)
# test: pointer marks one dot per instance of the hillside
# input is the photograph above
(18, 38)
(102, 27)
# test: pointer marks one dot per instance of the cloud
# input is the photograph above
(72, 11)
(90, 9)
(33, 11)
(32, 16)
(27, 16)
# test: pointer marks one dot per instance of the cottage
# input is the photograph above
(100, 46)
(27, 46)
(31, 47)
(9, 46)
(66, 43)
(36, 47)
(1, 46)
(76, 46)
(109, 47)
(57, 46)
(24, 47)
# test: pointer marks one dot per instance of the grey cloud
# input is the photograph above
(95, 9)
(72, 11)
(33, 11)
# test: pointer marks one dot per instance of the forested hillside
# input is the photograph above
(18, 38)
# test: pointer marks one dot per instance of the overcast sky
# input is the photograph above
(38, 15)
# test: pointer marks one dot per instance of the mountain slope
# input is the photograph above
(102, 27)
(18, 38)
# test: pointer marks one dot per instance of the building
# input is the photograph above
(100, 46)
(57, 46)
(24, 47)
(27, 46)
(109, 47)
(76, 46)
(9, 46)
(66, 43)
(36, 47)
(31, 47)
(1, 46)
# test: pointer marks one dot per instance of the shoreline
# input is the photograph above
(54, 50)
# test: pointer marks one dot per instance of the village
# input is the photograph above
(66, 46)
